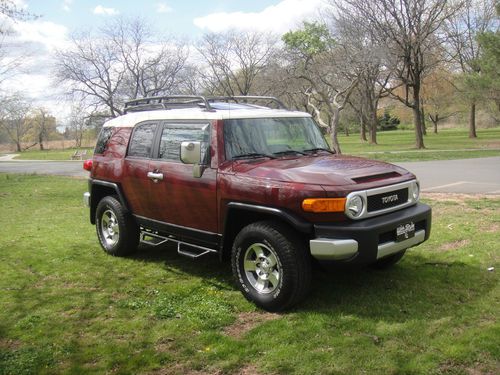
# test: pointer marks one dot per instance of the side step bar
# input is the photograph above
(183, 248)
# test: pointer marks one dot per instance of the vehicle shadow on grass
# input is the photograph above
(208, 266)
(413, 289)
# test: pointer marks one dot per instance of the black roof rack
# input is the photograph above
(166, 102)
(246, 98)
(186, 101)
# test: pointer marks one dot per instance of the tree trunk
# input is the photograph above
(363, 128)
(417, 118)
(472, 121)
(346, 131)
(373, 128)
(422, 113)
(333, 130)
(40, 141)
(18, 146)
(435, 121)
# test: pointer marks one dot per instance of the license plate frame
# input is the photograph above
(405, 231)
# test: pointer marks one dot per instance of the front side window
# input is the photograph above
(174, 134)
(271, 136)
(142, 141)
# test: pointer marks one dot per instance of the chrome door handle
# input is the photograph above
(155, 176)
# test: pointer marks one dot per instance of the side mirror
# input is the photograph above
(191, 154)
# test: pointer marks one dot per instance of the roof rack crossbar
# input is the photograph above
(165, 102)
(238, 98)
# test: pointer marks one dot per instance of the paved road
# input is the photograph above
(61, 168)
(469, 176)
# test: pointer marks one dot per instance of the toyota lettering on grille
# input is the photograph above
(390, 198)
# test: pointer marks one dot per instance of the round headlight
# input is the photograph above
(354, 206)
(415, 191)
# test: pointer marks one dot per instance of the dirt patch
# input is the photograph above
(180, 369)
(248, 370)
(454, 197)
(164, 345)
(8, 344)
(492, 228)
(454, 245)
(247, 321)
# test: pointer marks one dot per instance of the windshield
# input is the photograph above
(271, 136)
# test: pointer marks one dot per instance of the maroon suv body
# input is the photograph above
(254, 184)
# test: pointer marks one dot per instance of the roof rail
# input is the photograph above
(166, 102)
(245, 98)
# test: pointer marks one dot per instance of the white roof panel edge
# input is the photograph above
(131, 119)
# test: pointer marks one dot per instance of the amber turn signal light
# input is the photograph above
(324, 204)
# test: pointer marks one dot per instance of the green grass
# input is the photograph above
(51, 154)
(67, 307)
(399, 145)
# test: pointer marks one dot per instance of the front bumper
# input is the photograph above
(365, 241)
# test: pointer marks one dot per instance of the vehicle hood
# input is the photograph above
(321, 170)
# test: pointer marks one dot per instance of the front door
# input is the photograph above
(182, 201)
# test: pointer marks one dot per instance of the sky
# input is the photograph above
(38, 39)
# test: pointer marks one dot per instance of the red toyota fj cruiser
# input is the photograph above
(254, 183)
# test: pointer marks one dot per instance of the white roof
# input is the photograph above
(194, 113)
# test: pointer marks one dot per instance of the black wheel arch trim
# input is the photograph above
(291, 219)
(296, 222)
(93, 203)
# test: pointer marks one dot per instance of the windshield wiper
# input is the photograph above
(253, 155)
(286, 152)
(319, 149)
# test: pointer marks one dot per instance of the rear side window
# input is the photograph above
(174, 134)
(142, 141)
(102, 141)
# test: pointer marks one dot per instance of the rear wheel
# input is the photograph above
(388, 261)
(271, 266)
(117, 230)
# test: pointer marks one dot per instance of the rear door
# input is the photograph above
(185, 202)
(135, 181)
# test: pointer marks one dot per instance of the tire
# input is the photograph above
(117, 231)
(271, 266)
(388, 261)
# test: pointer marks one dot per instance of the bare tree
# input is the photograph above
(152, 67)
(14, 114)
(42, 123)
(78, 123)
(409, 30)
(327, 68)
(234, 60)
(476, 17)
(373, 66)
(124, 61)
(13, 12)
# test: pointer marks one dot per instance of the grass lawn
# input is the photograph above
(399, 145)
(67, 307)
(51, 154)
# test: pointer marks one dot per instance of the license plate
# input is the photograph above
(405, 231)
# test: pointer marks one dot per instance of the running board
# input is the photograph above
(195, 251)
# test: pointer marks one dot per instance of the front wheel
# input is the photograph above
(271, 266)
(116, 229)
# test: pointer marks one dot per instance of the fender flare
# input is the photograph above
(93, 185)
(290, 218)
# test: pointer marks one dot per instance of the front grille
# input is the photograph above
(386, 200)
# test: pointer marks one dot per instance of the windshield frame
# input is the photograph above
(313, 136)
